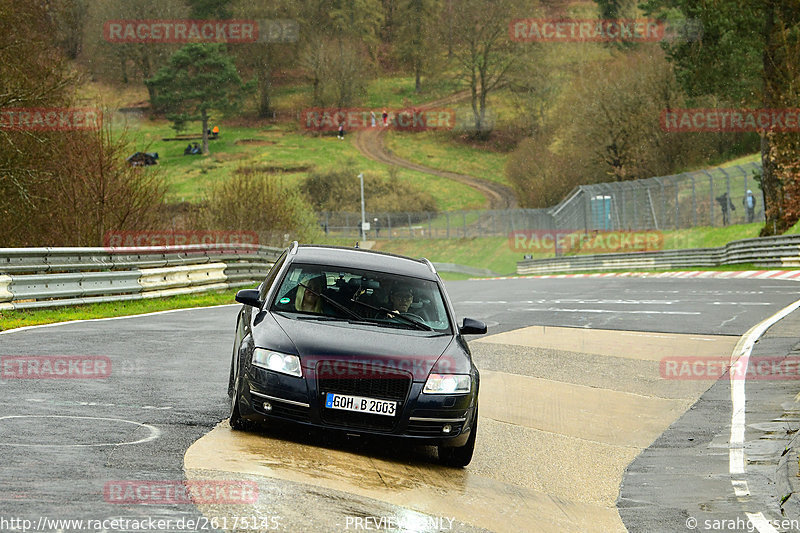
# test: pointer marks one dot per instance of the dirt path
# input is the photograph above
(370, 142)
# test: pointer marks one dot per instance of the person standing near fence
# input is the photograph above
(749, 202)
(725, 204)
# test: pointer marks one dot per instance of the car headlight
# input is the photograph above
(277, 362)
(447, 384)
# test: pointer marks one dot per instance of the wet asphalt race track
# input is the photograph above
(580, 428)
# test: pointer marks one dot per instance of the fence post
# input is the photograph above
(410, 231)
(744, 175)
(694, 203)
(675, 182)
(448, 224)
(430, 231)
(587, 209)
(389, 223)
(624, 219)
(710, 197)
(464, 218)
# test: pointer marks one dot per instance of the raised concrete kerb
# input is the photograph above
(423, 487)
(737, 456)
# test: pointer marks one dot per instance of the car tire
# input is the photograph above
(235, 419)
(230, 382)
(460, 456)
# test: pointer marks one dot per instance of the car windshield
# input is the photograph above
(386, 300)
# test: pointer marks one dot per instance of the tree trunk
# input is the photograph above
(770, 181)
(265, 85)
(205, 132)
(265, 94)
(418, 72)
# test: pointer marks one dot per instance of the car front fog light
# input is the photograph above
(447, 428)
(277, 362)
(447, 384)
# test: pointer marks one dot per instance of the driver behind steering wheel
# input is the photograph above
(401, 298)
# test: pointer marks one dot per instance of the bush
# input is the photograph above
(259, 202)
(540, 178)
(339, 191)
(73, 188)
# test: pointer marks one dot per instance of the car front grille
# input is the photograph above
(378, 383)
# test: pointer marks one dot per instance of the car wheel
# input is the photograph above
(236, 421)
(462, 455)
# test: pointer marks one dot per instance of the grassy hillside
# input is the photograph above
(275, 148)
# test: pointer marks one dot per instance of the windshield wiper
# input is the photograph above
(394, 314)
(323, 318)
(333, 302)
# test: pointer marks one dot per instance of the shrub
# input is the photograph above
(339, 191)
(262, 203)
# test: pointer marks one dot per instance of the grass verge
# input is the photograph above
(35, 317)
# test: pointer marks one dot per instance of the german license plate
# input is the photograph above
(360, 404)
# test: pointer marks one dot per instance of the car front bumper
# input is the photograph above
(429, 419)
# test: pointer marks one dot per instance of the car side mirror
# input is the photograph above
(248, 297)
(472, 327)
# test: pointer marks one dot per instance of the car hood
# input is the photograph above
(317, 341)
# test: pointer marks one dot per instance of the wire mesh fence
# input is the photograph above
(713, 197)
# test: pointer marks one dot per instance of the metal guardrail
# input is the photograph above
(50, 277)
(463, 269)
(767, 252)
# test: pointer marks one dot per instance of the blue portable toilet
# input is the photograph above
(601, 212)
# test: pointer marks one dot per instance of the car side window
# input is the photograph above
(262, 293)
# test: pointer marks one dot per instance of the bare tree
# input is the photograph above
(483, 52)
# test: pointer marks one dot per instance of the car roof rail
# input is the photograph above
(293, 247)
(430, 265)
